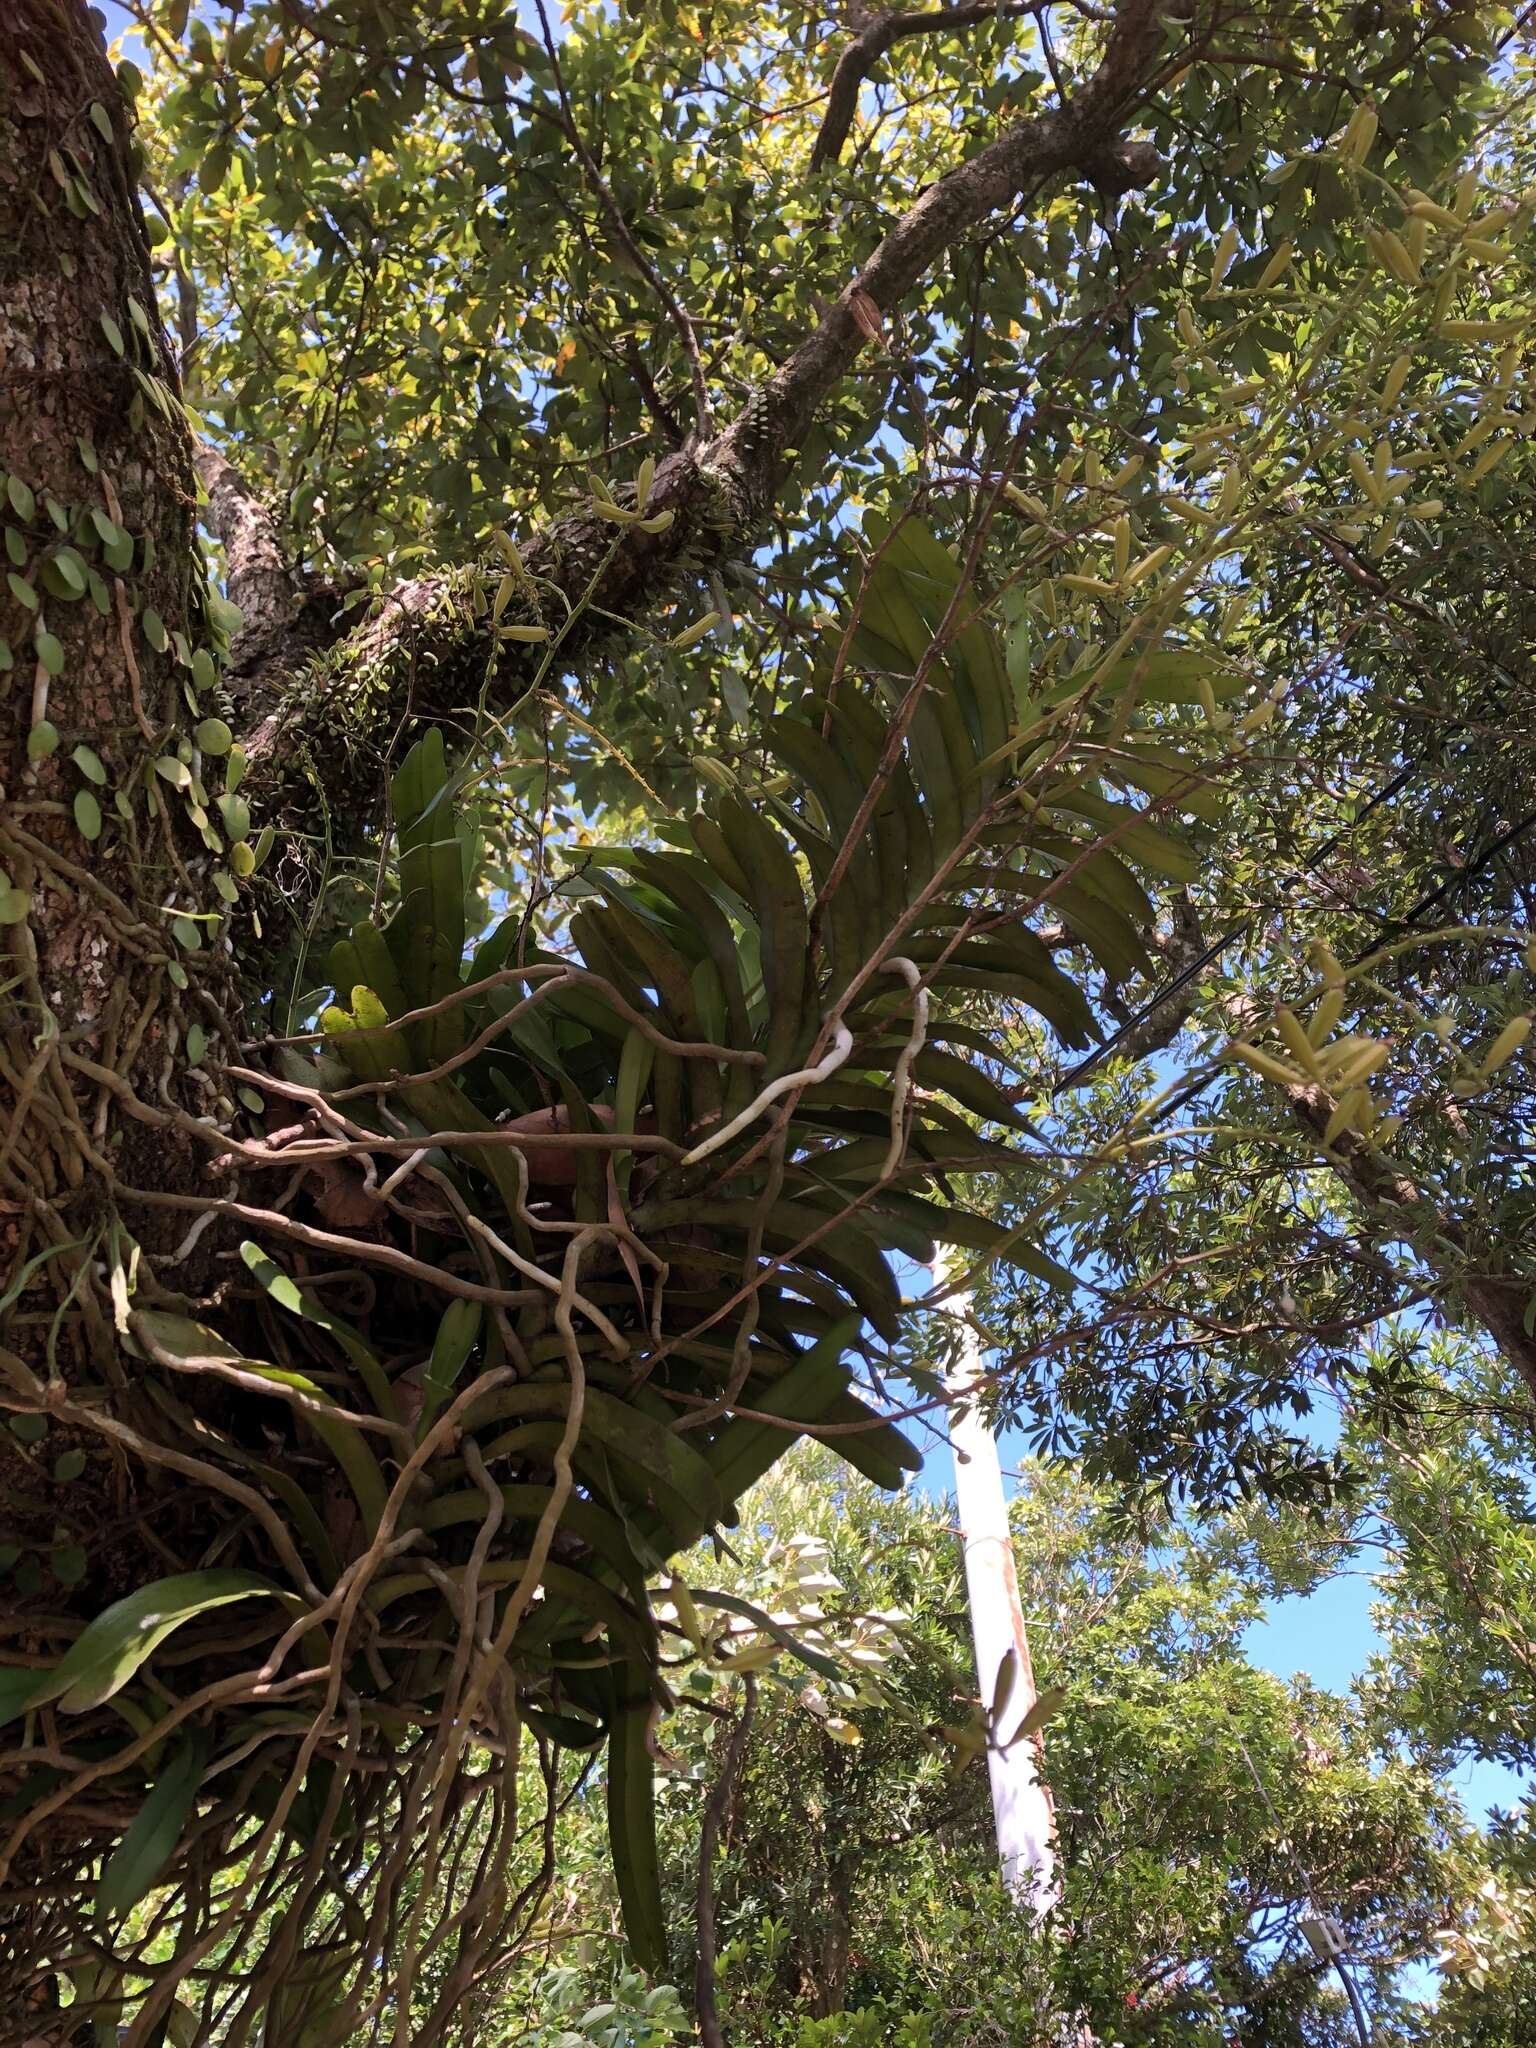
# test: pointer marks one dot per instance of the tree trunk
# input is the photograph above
(834, 1956)
(1023, 1810)
(712, 1831)
(114, 931)
(102, 614)
(115, 956)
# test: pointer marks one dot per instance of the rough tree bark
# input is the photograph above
(712, 1831)
(101, 487)
(99, 850)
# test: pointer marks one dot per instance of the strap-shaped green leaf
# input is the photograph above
(417, 789)
(173, 1337)
(778, 902)
(282, 1288)
(457, 1335)
(154, 1831)
(105, 1656)
(632, 1819)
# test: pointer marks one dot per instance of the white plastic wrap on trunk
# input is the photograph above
(1021, 1800)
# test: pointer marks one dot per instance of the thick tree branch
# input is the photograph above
(869, 46)
(430, 652)
(1080, 136)
(286, 615)
(1395, 1207)
(256, 576)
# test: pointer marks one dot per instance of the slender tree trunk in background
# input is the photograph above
(830, 1993)
(712, 1829)
(1021, 1801)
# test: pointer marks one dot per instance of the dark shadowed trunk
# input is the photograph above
(103, 618)
(116, 968)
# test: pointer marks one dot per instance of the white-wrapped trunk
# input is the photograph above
(1021, 1800)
